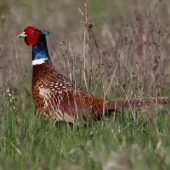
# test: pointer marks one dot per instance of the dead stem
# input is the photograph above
(128, 101)
(127, 63)
(68, 65)
(84, 56)
(74, 78)
(88, 27)
(101, 73)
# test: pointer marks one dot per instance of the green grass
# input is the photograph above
(28, 141)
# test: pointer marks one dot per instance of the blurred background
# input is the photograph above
(133, 39)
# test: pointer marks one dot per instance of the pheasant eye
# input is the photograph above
(33, 32)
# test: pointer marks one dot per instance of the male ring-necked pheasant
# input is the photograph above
(60, 99)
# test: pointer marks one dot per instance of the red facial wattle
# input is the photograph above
(32, 35)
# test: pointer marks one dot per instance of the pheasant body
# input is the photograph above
(60, 99)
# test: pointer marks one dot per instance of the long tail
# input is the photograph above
(113, 104)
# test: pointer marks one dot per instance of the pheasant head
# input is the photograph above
(36, 38)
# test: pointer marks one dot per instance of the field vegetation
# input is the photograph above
(133, 39)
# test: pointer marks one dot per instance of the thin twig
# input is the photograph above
(89, 51)
(128, 101)
(84, 56)
(101, 73)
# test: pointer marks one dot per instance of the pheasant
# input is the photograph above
(60, 99)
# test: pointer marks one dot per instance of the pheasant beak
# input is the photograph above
(22, 35)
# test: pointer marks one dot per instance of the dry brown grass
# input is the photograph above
(134, 47)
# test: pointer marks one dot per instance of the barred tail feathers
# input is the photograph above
(113, 104)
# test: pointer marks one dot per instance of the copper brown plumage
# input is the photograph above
(60, 99)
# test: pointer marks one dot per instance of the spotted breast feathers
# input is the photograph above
(56, 95)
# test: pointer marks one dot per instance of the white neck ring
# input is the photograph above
(39, 61)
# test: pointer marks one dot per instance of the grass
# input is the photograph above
(29, 142)
(134, 49)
